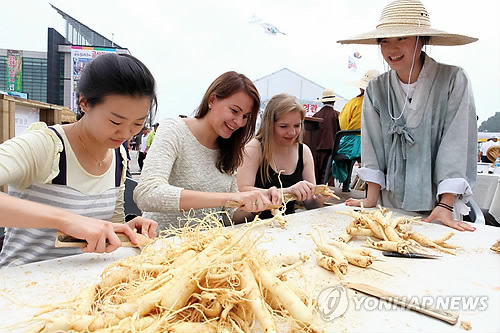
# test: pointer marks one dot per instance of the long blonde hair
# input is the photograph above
(278, 106)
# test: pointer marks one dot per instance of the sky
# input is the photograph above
(188, 43)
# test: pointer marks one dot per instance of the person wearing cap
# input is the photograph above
(418, 121)
(492, 141)
(326, 133)
(350, 119)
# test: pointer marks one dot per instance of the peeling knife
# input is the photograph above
(450, 317)
(63, 240)
(411, 255)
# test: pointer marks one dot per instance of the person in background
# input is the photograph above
(151, 136)
(192, 162)
(71, 177)
(492, 141)
(276, 148)
(137, 140)
(350, 119)
(416, 118)
(326, 133)
(142, 147)
(132, 143)
(125, 146)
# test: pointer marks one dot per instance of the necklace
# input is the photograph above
(88, 151)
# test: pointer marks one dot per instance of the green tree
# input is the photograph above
(492, 124)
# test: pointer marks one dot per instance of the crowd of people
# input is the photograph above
(412, 118)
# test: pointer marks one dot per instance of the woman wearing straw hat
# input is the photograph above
(418, 121)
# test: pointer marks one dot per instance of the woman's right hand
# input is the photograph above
(274, 195)
(255, 201)
(100, 235)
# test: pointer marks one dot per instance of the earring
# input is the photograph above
(209, 106)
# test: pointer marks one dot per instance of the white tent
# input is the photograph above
(287, 81)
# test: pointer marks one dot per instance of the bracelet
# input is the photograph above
(445, 206)
(130, 217)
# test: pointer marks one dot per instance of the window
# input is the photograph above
(35, 78)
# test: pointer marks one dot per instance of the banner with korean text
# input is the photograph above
(14, 70)
(80, 56)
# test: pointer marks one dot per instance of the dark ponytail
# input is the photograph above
(116, 74)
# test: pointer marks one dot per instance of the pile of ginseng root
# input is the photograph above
(205, 279)
(393, 234)
(336, 255)
(382, 232)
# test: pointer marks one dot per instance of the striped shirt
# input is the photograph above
(22, 246)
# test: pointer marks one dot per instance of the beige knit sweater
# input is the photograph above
(177, 161)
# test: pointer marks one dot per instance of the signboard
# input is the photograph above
(25, 116)
(311, 107)
(15, 93)
(80, 56)
(14, 70)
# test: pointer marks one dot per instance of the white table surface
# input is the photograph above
(484, 189)
(475, 271)
(495, 202)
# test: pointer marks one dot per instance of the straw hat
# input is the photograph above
(329, 95)
(493, 152)
(363, 82)
(403, 18)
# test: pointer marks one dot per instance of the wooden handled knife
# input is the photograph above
(450, 317)
(63, 240)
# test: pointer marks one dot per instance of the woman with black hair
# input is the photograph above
(192, 162)
(418, 123)
(71, 177)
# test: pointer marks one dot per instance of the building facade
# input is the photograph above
(52, 76)
(33, 71)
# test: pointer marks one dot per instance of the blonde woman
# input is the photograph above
(278, 147)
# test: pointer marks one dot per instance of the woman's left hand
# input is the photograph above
(444, 215)
(144, 226)
(303, 190)
(321, 199)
